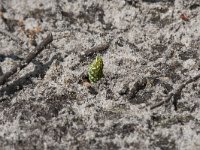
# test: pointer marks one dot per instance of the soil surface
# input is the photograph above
(150, 48)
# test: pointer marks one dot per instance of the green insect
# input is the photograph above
(95, 71)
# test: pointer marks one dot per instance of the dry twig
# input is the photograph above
(1, 72)
(176, 94)
(97, 49)
(90, 53)
(27, 60)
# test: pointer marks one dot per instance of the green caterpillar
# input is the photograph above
(95, 71)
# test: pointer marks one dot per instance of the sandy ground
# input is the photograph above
(152, 51)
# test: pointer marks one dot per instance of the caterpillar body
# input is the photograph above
(95, 71)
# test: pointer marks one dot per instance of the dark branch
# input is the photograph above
(91, 52)
(27, 60)
(1, 72)
(162, 102)
(176, 94)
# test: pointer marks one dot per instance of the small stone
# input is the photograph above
(92, 90)
(87, 84)
(188, 64)
(139, 85)
(124, 90)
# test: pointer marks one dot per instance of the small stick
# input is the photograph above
(13, 37)
(176, 94)
(27, 60)
(162, 102)
(1, 72)
(97, 49)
